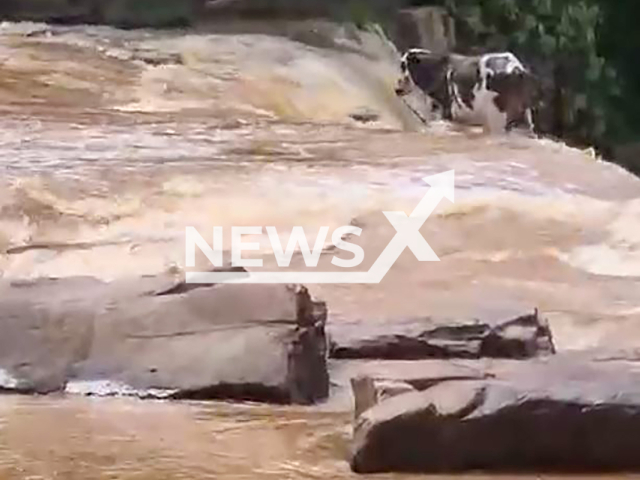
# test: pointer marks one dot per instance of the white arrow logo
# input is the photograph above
(407, 236)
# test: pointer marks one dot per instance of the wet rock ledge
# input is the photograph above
(483, 394)
(154, 337)
(508, 334)
(560, 414)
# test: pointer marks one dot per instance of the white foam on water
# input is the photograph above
(605, 260)
(109, 388)
(7, 381)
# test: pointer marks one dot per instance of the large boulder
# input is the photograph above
(560, 415)
(499, 335)
(155, 336)
(424, 27)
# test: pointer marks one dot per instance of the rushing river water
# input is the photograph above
(122, 439)
(112, 142)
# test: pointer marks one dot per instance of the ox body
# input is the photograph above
(493, 90)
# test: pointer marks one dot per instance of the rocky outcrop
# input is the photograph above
(506, 335)
(424, 27)
(248, 342)
(564, 414)
(391, 376)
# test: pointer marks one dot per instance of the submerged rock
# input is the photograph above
(365, 115)
(558, 415)
(385, 378)
(515, 335)
(248, 342)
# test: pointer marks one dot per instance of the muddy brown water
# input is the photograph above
(112, 142)
(124, 439)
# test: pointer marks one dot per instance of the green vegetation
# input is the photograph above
(585, 52)
(156, 13)
(619, 43)
(124, 13)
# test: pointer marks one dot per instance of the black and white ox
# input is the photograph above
(493, 90)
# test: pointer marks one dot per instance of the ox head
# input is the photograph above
(422, 68)
(518, 92)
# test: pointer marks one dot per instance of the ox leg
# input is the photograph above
(525, 122)
(495, 122)
(447, 111)
(529, 121)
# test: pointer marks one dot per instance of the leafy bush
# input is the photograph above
(585, 50)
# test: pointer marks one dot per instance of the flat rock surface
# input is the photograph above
(499, 334)
(155, 334)
(557, 414)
